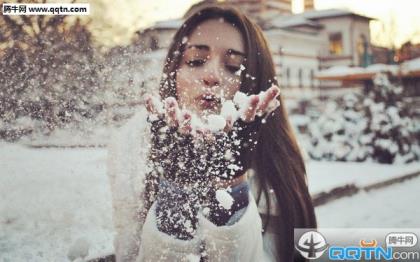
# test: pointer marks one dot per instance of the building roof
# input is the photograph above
(293, 21)
(168, 24)
(171, 24)
(308, 18)
(327, 13)
(409, 68)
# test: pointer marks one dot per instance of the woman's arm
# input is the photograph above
(127, 153)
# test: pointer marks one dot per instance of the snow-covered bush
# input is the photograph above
(337, 133)
(48, 71)
(375, 126)
(395, 134)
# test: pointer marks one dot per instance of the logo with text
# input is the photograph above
(370, 250)
(312, 245)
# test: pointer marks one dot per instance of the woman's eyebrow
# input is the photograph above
(235, 52)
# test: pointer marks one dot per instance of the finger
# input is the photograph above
(154, 105)
(270, 95)
(252, 109)
(185, 125)
(229, 124)
(149, 105)
(272, 106)
(230, 114)
(172, 111)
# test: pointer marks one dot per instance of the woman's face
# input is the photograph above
(210, 68)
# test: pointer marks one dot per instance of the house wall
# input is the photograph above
(299, 55)
(295, 54)
(351, 28)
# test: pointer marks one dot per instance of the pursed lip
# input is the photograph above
(208, 100)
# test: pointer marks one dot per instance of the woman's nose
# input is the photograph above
(212, 76)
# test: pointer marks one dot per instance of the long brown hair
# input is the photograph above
(277, 160)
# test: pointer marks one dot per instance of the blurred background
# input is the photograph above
(349, 72)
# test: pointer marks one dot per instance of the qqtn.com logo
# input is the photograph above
(312, 245)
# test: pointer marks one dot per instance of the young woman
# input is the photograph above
(185, 190)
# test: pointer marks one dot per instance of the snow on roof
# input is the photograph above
(308, 18)
(411, 66)
(339, 71)
(168, 24)
(318, 14)
(376, 68)
(277, 5)
(293, 20)
(408, 68)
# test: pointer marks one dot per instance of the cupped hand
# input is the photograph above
(243, 107)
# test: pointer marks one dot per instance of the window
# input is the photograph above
(312, 78)
(300, 74)
(336, 44)
(154, 43)
(363, 51)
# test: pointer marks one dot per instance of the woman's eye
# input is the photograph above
(196, 62)
(232, 68)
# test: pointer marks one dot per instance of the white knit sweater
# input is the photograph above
(138, 239)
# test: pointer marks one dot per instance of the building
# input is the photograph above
(255, 7)
(318, 39)
(159, 36)
(407, 73)
(308, 5)
(408, 51)
(302, 44)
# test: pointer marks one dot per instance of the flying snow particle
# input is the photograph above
(184, 40)
(224, 198)
(228, 155)
(241, 68)
(233, 167)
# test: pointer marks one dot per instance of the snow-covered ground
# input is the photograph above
(53, 200)
(324, 176)
(393, 206)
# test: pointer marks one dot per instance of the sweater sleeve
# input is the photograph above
(124, 205)
(241, 241)
(159, 246)
(127, 150)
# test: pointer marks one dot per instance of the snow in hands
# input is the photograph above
(242, 107)
(193, 157)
